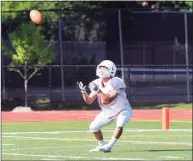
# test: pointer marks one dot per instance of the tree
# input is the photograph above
(14, 13)
(28, 49)
(82, 26)
(11, 9)
(167, 5)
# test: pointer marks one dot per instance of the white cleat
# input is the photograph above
(105, 148)
(97, 149)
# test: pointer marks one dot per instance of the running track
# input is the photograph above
(177, 115)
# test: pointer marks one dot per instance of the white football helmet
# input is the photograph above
(111, 69)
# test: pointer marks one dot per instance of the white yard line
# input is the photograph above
(172, 157)
(46, 132)
(157, 142)
(153, 130)
(50, 159)
(87, 131)
(71, 157)
(49, 147)
(79, 139)
(44, 138)
(7, 144)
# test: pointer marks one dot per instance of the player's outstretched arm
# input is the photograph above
(89, 99)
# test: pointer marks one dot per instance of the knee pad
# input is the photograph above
(93, 127)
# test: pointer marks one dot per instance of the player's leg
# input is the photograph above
(99, 136)
(100, 121)
(122, 119)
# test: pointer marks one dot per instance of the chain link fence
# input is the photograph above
(141, 42)
(146, 85)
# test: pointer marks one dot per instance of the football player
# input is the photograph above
(110, 92)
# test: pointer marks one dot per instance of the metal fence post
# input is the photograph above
(121, 44)
(186, 55)
(50, 85)
(61, 54)
(129, 84)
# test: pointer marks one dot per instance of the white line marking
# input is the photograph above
(7, 144)
(47, 132)
(72, 157)
(79, 139)
(49, 147)
(171, 157)
(50, 159)
(149, 130)
(157, 142)
(41, 138)
(87, 131)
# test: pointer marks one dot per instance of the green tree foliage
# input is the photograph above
(12, 10)
(43, 5)
(167, 5)
(70, 5)
(28, 48)
(78, 23)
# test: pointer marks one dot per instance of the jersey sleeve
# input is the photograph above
(96, 81)
(117, 84)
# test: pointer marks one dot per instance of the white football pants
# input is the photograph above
(104, 118)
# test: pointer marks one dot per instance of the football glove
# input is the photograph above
(93, 87)
(82, 87)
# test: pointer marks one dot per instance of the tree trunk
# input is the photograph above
(25, 86)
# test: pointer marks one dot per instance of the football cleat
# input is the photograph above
(105, 148)
(97, 149)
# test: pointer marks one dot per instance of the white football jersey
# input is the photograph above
(120, 102)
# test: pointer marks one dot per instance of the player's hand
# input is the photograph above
(93, 87)
(81, 86)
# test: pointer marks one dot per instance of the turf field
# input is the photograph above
(141, 140)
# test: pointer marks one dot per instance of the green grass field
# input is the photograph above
(72, 141)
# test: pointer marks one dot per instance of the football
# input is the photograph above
(36, 16)
(103, 99)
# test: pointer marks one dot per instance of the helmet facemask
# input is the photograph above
(103, 72)
(106, 69)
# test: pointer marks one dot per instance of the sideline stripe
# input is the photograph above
(72, 157)
(48, 147)
(172, 157)
(50, 159)
(107, 130)
(78, 139)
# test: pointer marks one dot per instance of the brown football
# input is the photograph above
(103, 98)
(36, 16)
